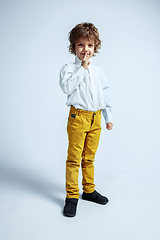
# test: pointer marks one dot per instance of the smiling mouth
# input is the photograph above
(83, 54)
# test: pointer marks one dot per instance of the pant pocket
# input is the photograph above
(71, 118)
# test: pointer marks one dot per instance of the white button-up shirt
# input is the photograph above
(86, 89)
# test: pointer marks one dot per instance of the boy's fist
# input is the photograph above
(109, 126)
(86, 63)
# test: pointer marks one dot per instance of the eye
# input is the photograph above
(80, 44)
(90, 45)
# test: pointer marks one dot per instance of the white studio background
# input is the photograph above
(32, 107)
(33, 114)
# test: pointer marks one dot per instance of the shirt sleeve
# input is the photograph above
(70, 78)
(107, 111)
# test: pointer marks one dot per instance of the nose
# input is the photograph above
(86, 48)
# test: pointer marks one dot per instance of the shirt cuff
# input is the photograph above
(80, 72)
(107, 116)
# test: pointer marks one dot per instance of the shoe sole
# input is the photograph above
(68, 215)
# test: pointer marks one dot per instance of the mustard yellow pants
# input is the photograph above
(83, 128)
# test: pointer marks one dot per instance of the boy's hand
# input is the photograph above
(85, 62)
(109, 126)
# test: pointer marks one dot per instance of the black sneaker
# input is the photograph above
(70, 207)
(95, 197)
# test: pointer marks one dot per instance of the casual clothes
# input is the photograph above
(84, 128)
(87, 95)
(86, 89)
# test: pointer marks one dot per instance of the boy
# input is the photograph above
(87, 95)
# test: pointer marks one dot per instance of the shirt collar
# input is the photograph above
(79, 61)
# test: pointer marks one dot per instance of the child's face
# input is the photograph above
(84, 48)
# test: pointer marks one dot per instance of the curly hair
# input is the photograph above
(84, 30)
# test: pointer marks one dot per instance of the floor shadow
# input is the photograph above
(31, 181)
